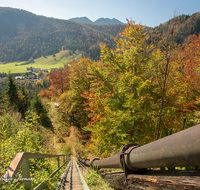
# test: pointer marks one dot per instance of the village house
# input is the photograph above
(54, 69)
(45, 71)
(36, 70)
(19, 78)
(33, 76)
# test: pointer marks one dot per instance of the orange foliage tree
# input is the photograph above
(189, 78)
(59, 80)
(71, 102)
(118, 99)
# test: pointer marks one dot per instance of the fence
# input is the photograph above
(21, 159)
(178, 150)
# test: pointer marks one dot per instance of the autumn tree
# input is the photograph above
(189, 79)
(71, 101)
(168, 45)
(176, 79)
(119, 96)
(59, 80)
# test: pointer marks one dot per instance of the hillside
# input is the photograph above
(24, 35)
(47, 62)
(112, 29)
(185, 25)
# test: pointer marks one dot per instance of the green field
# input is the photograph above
(47, 62)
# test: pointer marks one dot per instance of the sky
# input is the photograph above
(146, 12)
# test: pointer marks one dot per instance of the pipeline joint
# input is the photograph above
(95, 167)
(126, 151)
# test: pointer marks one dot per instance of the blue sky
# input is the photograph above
(146, 12)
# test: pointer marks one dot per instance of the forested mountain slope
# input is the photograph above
(24, 35)
(185, 25)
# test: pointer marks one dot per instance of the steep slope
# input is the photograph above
(24, 35)
(112, 29)
(185, 25)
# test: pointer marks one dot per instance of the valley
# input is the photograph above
(48, 62)
(125, 83)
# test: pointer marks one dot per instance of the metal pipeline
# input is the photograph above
(177, 150)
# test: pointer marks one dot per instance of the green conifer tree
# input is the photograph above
(23, 102)
(11, 91)
(2, 101)
(41, 111)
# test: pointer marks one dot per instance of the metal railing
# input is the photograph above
(181, 149)
(21, 159)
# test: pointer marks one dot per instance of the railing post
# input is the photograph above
(26, 174)
(58, 161)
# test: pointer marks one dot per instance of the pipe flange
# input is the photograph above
(95, 167)
(126, 151)
(84, 161)
(126, 147)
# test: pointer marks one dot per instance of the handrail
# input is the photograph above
(41, 185)
(21, 159)
(181, 149)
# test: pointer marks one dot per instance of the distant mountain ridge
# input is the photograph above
(100, 21)
(25, 36)
(82, 20)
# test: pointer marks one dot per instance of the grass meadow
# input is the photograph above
(47, 62)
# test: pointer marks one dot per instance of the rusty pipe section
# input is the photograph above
(110, 162)
(86, 162)
(177, 150)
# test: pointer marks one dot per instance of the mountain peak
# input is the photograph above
(83, 20)
(100, 21)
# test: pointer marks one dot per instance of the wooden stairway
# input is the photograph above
(72, 179)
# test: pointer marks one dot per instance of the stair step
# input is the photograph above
(71, 179)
